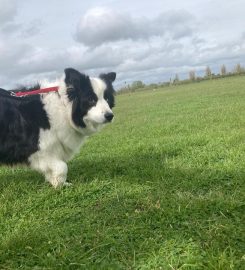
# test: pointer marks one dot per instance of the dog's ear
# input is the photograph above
(110, 77)
(76, 82)
(72, 77)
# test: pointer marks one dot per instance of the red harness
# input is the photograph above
(36, 92)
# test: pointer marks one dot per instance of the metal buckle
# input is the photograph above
(12, 93)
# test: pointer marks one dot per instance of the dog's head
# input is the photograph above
(92, 99)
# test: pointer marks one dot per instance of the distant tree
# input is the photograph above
(238, 69)
(208, 72)
(153, 85)
(137, 84)
(176, 79)
(192, 75)
(223, 70)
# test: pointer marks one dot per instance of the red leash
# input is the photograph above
(36, 92)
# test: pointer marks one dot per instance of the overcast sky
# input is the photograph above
(148, 40)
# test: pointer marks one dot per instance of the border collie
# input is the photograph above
(44, 131)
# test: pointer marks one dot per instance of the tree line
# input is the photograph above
(237, 70)
(208, 75)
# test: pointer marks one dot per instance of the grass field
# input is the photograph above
(161, 188)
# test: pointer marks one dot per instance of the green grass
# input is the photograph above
(161, 188)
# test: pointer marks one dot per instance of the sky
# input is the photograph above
(142, 40)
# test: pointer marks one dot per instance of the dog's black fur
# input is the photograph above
(110, 92)
(82, 100)
(20, 121)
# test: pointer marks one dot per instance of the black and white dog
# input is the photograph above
(44, 131)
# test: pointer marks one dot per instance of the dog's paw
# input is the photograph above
(67, 184)
(59, 185)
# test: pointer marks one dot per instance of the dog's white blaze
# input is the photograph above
(98, 86)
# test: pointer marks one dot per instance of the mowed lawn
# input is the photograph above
(160, 188)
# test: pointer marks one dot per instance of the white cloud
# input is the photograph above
(8, 11)
(103, 25)
(32, 29)
(137, 47)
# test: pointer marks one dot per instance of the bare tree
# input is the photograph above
(192, 75)
(176, 78)
(208, 72)
(238, 69)
(223, 70)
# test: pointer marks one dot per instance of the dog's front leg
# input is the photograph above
(54, 170)
(57, 173)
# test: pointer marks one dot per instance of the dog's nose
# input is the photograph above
(109, 116)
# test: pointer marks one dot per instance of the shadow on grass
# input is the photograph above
(125, 212)
(152, 168)
(141, 167)
(14, 176)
